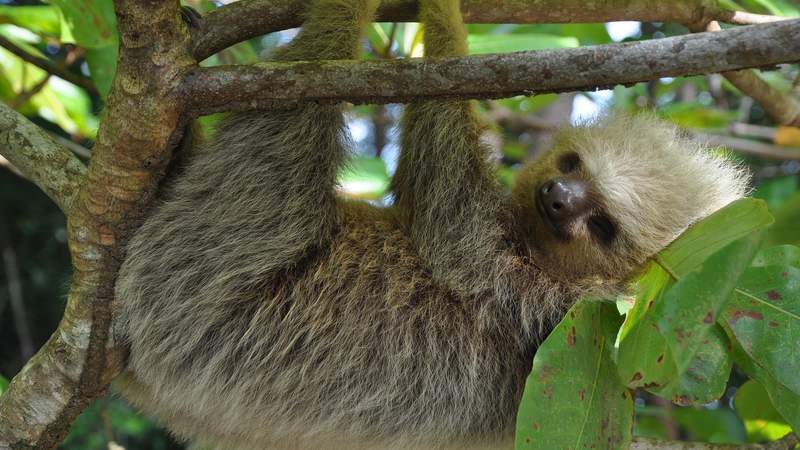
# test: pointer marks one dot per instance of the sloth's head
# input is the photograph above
(614, 192)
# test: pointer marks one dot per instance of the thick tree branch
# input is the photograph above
(49, 66)
(133, 149)
(48, 164)
(785, 109)
(246, 19)
(491, 76)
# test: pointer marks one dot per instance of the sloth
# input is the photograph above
(263, 311)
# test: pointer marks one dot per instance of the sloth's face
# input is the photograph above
(569, 225)
(611, 194)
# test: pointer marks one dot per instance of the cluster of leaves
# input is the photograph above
(716, 296)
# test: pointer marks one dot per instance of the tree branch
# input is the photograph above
(785, 109)
(49, 165)
(49, 66)
(264, 85)
(140, 127)
(246, 19)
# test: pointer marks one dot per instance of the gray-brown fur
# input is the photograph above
(263, 312)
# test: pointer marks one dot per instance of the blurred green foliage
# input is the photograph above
(736, 376)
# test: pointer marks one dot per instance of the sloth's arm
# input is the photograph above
(445, 188)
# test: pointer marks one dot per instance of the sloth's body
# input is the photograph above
(263, 312)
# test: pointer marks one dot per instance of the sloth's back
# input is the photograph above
(354, 339)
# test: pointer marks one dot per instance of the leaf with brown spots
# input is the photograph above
(764, 316)
(581, 402)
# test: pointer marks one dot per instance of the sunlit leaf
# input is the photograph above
(494, 43)
(761, 420)
(364, 177)
(92, 22)
(732, 222)
(42, 19)
(3, 384)
(573, 397)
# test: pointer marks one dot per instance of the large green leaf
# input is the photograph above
(707, 375)
(574, 397)
(786, 402)
(643, 355)
(764, 316)
(779, 255)
(38, 19)
(102, 63)
(732, 222)
(761, 420)
(687, 312)
(92, 22)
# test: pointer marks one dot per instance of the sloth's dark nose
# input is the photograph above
(563, 199)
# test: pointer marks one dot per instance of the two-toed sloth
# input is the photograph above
(262, 311)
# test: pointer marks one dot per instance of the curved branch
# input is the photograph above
(265, 85)
(56, 170)
(50, 67)
(785, 109)
(246, 19)
(134, 145)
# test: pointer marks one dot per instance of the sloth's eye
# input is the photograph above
(569, 163)
(602, 228)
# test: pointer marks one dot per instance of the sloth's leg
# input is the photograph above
(444, 187)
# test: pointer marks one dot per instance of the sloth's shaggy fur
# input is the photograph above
(263, 312)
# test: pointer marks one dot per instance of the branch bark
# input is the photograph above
(782, 107)
(264, 85)
(48, 164)
(246, 19)
(140, 126)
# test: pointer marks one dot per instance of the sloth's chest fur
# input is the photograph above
(356, 340)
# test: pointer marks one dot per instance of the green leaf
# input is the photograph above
(643, 357)
(102, 63)
(689, 309)
(764, 316)
(761, 420)
(92, 22)
(732, 222)
(706, 377)
(780, 255)
(710, 425)
(574, 397)
(364, 177)
(3, 384)
(786, 402)
(495, 43)
(787, 223)
(777, 191)
(38, 19)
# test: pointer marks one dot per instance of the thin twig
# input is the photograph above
(16, 300)
(49, 67)
(23, 97)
